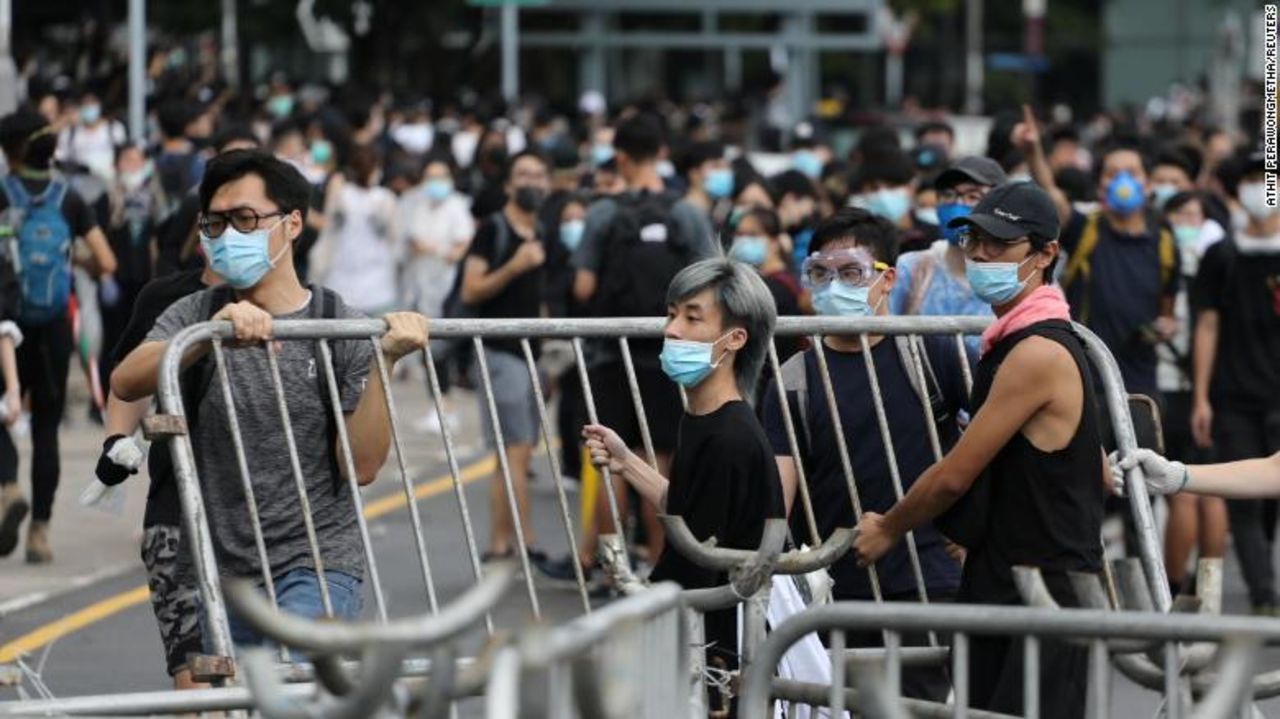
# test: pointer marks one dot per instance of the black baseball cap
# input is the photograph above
(982, 170)
(1013, 210)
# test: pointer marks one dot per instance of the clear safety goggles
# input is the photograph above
(854, 267)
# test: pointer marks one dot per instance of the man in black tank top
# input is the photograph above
(1026, 483)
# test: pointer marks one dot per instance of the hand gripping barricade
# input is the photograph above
(509, 665)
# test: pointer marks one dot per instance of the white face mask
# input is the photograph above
(1253, 198)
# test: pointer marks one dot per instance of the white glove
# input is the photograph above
(1162, 476)
(126, 453)
(101, 497)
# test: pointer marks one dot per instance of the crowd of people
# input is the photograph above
(1156, 237)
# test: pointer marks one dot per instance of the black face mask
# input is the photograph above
(529, 198)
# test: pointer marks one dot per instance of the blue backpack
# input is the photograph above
(43, 257)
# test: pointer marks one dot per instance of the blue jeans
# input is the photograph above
(298, 592)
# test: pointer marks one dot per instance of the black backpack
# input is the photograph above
(643, 251)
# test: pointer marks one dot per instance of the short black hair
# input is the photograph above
(511, 162)
(1063, 133)
(1122, 144)
(768, 219)
(174, 115)
(18, 127)
(865, 229)
(639, 137)
(699, 152)
(892, 168)
(234, 133)
(285, 186)
(1077, 184)
(793, 182)
(934, 126)
(1182, 199)
(1182, 157)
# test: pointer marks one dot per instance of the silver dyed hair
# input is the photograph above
(744, 301)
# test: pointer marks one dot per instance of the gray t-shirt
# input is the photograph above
(694, 225)
(274, 487)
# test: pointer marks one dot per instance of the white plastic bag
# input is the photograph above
(807, 659)
(103, 498)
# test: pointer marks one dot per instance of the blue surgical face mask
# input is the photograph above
(837, 299)
(947, 212)
(1124, 194)
(241, 258)
(280, 106)
(890, 204)
(90, 114)
(601, 153)
(718, 183)
(995, 282)
(751, 249)
(808, 162)
(438, 189)
(1162, 193)
(688, 362)
(321, 152)
(571, 234)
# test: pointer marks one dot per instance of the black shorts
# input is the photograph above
(616, 408)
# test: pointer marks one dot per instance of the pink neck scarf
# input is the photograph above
(1044, 303)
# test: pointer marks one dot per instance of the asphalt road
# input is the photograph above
(120, 651)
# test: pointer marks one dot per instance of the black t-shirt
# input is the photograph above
(174, 234)
(522, 297)
(130, 237)
(79, 215)
(828, 489)
(1245, 290)
(1124, 295)
(724, 483)
(153, 300)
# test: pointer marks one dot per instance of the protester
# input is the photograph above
(633, 245)
(437, 228)
(179, 164)
(91, 141)
(254, 204)
(1193, 521)
(53, 217)
(708, 174)
(850, 273)
(357, 253)
(722, 479)
(502, 277)
(13, 505)
(1236, 298)
(1122, 275)
(1034, 438)
(797, 210)
(759, 242)
(933, 281)
(882, 186)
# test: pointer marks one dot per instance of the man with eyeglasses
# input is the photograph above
(850, 274)
(932, 281)
(253, 207)
(1026, 483)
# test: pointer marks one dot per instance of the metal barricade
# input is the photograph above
(1105, 632)
(750, 571)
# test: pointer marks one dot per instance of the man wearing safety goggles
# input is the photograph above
(850, 274)
(1035, 442)
(933, 281)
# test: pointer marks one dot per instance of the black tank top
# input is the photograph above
(1044, 508)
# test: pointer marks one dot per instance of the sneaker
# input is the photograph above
(13, 509)
(561, 571)
(38, 550)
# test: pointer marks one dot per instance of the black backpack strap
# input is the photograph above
(324, 305)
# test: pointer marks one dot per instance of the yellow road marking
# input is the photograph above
(112, 605)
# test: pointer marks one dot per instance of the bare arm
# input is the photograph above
(646, 480)
(369, 426)
(608, 450)
(1024, 386)
(790, 481)
(1204, 356)
(103, 257)
(1026, 137)
(12, 386)
(584, 285)
(124, 417)
(137, 376)
(1246, 479)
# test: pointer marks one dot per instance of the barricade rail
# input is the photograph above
(749, 570)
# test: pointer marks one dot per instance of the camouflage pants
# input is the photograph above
(173, 596)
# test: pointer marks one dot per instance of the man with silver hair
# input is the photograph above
(723, 480)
